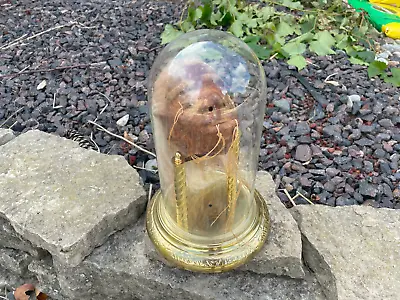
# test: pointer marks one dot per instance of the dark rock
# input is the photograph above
(332, 172)
(345, 200)
(368, 189)
(364, 142)
(303, 153)
(387, 123)
(302, 128)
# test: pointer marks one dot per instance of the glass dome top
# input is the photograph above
(207, 93)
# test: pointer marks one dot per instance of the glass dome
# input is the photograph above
(207, 93)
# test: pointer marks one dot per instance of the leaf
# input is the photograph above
(320, 48)
(367, 56)
(342, 41)
(169, 34)
(261, 51)
(266, 12)
(206, 11)
(216, 18)
(252, 39)
(298, 61)
(325, 37)
(376, 68)
(395, 78)
(237, 28)
(291, 4)
(357, 61)
(187, 26)
(306, 37)
(294, 48)
(194, 13)
(284, 29)
(323, 44)
(248, 20)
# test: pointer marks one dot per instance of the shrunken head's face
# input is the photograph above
(199, 117)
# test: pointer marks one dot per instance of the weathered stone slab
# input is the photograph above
(63, 198)
(354, 251)
(281, 254)
(6, 135)
(120, 269)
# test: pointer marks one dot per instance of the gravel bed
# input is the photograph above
(345, 153)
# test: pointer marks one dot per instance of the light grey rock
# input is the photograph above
(123, 121)
(121, 270)
(354, 251)
(65, 199)
(6, 135)
(281, 254)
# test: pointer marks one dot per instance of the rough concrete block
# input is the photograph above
(65, 199)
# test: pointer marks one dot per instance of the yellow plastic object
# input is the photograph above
(390, 9)
(207, 93)
(390, 2)
(392, 30)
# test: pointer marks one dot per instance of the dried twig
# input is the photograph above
(141, 168)
(51, 70)
(54, 102)
(112, 147)
(97, 146)
(16, 40)
(150, 191)
(329, 76)
(122, 138)
(105, 107)
(20, 39)
(12, 115)
(13, 125)
(305, 198)
(273, 56)
(290, 198)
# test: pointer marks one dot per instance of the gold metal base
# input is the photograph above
(181, 251)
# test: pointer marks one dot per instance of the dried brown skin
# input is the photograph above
(20, 292)
(193, 124)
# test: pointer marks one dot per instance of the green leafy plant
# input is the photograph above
(287, 29)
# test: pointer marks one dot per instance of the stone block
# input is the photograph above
(354, 251)
(65, 199)
(281, 254)
(120, 269)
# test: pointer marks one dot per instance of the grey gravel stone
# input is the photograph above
(302, 128)
(364, 142)
(63, 198)
(283, 105)
(6, 135)
(387, 123)
(303, 153)
(371, 238)
(368, 189)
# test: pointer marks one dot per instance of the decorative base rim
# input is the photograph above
(180, 255)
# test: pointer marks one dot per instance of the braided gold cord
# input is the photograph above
(233, 156)
(180, 192)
